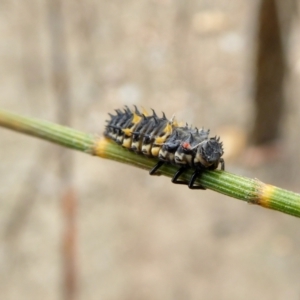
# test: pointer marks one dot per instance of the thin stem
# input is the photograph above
(55, 133)
(242, 188)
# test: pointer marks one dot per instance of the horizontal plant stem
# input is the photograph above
(250, 190)
(246, 189)
(55, 133)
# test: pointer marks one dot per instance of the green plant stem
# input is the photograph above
(55, 133)
(246, 189)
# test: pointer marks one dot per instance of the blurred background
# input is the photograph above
(74, 226)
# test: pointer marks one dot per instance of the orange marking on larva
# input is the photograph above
(186, 145)
(165, 139)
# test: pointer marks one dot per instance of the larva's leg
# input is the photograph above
(193, 178)
(177, 174)
(190, 184)
(222, 164)
(156, 167)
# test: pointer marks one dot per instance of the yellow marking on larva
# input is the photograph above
(135, 121)
(136, 118)
(155, 150)
(127, 142)
(168, 128)
(127, 131)
(160, 140)
(265, 194)
(144, 112)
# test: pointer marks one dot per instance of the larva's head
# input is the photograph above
(209, 153)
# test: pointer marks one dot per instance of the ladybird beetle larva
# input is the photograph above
(183, 146)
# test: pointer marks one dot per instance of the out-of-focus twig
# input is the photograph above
(61, 89)
(270, 71)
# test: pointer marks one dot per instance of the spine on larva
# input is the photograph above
(165, 139)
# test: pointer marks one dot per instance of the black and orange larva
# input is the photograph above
(167, 140)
